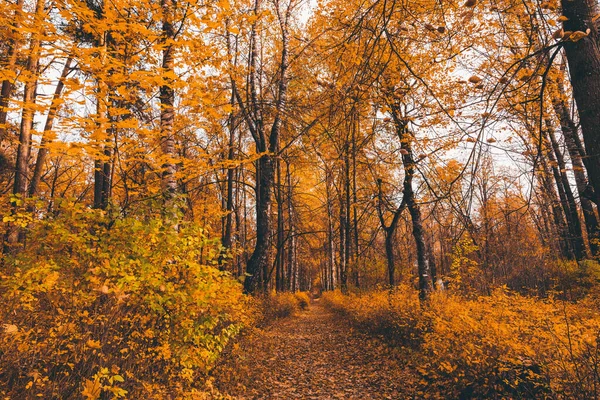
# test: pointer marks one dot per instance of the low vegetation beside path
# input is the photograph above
(501, 346)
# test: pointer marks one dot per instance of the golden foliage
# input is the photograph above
(499, 346)
(97, 307)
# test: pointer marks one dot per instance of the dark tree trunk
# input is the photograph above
(570, 206)
(280, 254)
(583, 57)
(567, 199)
(389, 232)
(14, 233)
(577, 155)
(10, 65)
(414, 209)
(260, 258)
(557, 211)
(267, 144)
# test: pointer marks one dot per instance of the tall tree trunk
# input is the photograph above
(101, 164)
(343, 251)
(292, 239)
(167, 109)
(10, 65)
(571, 211)
(389, 232)
(260, 258)
(227, 233)
(577, 154)
(280, 255)
(566, 196)
(267, 146)
(330, 246)
(557, 211)
(414, 209)
(14, 234)
(356, 252)
(583, 57)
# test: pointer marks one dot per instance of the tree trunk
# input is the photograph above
(577, 154)
(10, 65)
(571, 206)
(414, 208)
(557, 211)
(14, 234)
(567, 200)
(167, 110)
(583, 57)
(389, 232)
(267, 146)
(262, 252)
(280, 255)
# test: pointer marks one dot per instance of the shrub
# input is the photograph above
(282, 305)
(278, 305)
(303, 300)
(499, 346)
(96, 308)
(394, 315)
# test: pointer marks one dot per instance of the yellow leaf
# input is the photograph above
(91, 389)
(94, 344)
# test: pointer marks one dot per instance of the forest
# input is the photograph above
(278, 199)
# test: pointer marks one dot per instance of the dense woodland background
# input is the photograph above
(159, 160)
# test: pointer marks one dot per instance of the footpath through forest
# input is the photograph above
(314, 355)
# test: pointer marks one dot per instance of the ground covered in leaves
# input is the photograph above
(314, 355)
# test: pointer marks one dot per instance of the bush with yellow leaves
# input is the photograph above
(499, 346)
(303, 300)
(98, 308)
(395, 315)
(282, 305)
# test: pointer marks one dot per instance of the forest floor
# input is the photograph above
(314, 355)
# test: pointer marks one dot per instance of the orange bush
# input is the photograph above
(500, 346)
(303, 300)
(96, 309)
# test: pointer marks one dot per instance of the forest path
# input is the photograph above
(314, 355)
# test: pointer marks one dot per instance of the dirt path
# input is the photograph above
(312, 356)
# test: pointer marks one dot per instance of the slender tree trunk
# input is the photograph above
(10, 65)
(577, 155)
(567, 200)
(14, 234)
(557, 211)
(167, 101)
(343, 250)
(389, 233)
(414, 209)
(101, 164)
(331, 265)
(571, 211)
(280, 254)
(268, 146)
(355, 257)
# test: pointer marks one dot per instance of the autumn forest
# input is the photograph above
(387, 199)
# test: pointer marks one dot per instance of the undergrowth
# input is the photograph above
(500, 346)
(282, 305)
(98, 308)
